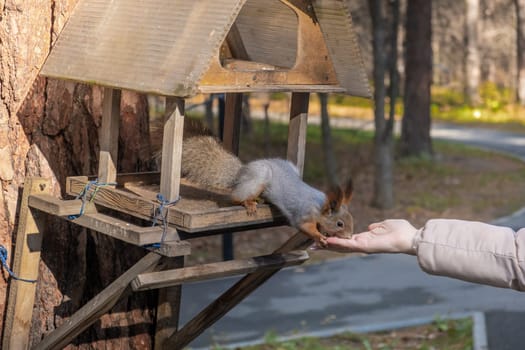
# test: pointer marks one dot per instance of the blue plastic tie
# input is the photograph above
(3, 258)
(163, 214)
(84, 193)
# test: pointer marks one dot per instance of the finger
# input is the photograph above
(375, 225)
(342, 244)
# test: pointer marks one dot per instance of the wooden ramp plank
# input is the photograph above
(233, 296)
(25, 265)
(161, 279)
(100, 304)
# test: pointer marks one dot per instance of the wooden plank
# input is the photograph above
(210, 89)
(121, 200)
(189, 215)
(233, 296)
(25, 265)
(297, 129)
(116, 228)
(172, 149)
(99, 305)
(108, 138)
(138, 235)
(141, 191)
(168, 308)
(59, 207)
(161, 279)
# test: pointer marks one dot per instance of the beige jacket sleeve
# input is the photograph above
(473, 251)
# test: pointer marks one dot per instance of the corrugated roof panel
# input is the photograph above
(336, 24)
(152, 46)
(269, 32)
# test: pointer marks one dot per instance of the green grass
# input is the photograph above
(496, 108)
(441, 334)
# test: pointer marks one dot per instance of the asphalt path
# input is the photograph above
(368, 293)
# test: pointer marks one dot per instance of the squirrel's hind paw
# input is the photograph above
(251, 207)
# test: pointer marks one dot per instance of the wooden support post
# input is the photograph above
(109, 130)
(232, 297)
(232, 122)
(297, 129)
(96, 307)
(172, 149)
(25, 265)
(230, 140)
(168, 305)
(168, 308)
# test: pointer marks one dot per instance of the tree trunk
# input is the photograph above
(520, 48)
(49, 128)
(328, 150)
(473, 57)
(383, 192)
(415, 128)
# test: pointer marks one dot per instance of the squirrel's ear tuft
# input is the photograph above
(348, 191)
(334, 199)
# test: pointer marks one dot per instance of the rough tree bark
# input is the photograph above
(383, 196)
(520, 49)
(50, 128)
(415, 128)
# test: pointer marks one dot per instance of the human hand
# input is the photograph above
(389, 236)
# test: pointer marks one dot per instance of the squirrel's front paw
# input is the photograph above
(251, 207)
(322, 242)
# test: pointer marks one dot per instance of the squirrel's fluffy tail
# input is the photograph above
(206, 163)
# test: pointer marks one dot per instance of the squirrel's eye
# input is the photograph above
(340, 223)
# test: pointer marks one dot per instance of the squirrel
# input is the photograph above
(318, 215)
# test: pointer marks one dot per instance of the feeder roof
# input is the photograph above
(180, 47)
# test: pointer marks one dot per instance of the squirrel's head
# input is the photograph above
(336, 219)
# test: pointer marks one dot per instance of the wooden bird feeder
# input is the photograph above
(178, 49)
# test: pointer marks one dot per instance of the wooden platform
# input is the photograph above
(197, 210)
(153, 271)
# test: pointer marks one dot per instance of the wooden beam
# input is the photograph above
(111, 226)
(168, 308)
(96, 307)
(235, 44)
(297, 129)
(161, 279)
(211, 89)
(108, 138)
(232, 122)
(172, 149)
(232, 297)
(59, 207)
(25, 265)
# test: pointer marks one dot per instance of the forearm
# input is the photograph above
(472, 251)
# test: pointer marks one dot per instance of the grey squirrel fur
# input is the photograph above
(206, 163)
